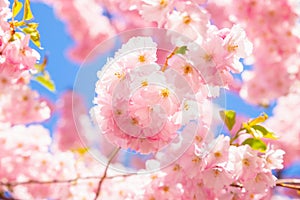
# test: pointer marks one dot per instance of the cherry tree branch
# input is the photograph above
(113, 154)
(13, 184)
(289, 183)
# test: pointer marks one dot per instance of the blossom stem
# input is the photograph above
(167, 59)
(236, 136)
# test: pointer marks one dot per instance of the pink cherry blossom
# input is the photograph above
(156, 10)
(189, 20)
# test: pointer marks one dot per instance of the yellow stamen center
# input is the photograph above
(163, 3)
(207, 57)
(134, 121)
(144, 83)
(165, 188)
(187, 69)
(232, 48)
(246, 162)
(176, 167)
(217, 154)
(165, 92)
(119, 75)
(142, 58)
(187, 19)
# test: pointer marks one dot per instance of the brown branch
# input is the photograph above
(13, 184)
(289, 183)
(114, 153)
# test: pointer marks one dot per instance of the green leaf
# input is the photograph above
(256, 144)
(263, 117)
(17, 23)
(35, 38)
(181, 50)
(228, 117)
(33, 25)
(28, 30)
(27, 11)
(16, 8)
(41, 67)
(34, 35)
(263, 131)
(46, 82)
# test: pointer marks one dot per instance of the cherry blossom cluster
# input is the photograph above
(281, 122)
(141, 104)
(212, 168)
(276, 44)
(151, 100)
(93, 22)
(217, 170)
(18, 103)
(31, 169)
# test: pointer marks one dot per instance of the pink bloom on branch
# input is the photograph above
(143, 120)
(260, 183)
(216, 178)
(189, 20)
(156, 10)
(274, 159)
(21, 105)
(246, 163)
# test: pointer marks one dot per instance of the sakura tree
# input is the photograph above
(156, 125)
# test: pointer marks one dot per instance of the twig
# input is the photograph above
(289, 183)
(167, 59)
(114, 153)
(13, 184)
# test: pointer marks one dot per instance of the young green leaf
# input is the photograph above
(256, 144)
(33, 25)
(228, 117)
(17, 23)
(41, 67)
(181, 50)
(28, 30)
(263, 131)
(35, 38)
(258, 119)
(16, 8)
(27, 11)
(46, 82)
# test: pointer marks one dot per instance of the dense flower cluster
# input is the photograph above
(31, 169)
(141, 105)
(18, 103)
(217, 170)
(153, 98)
(281, 122)
(276, 43)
